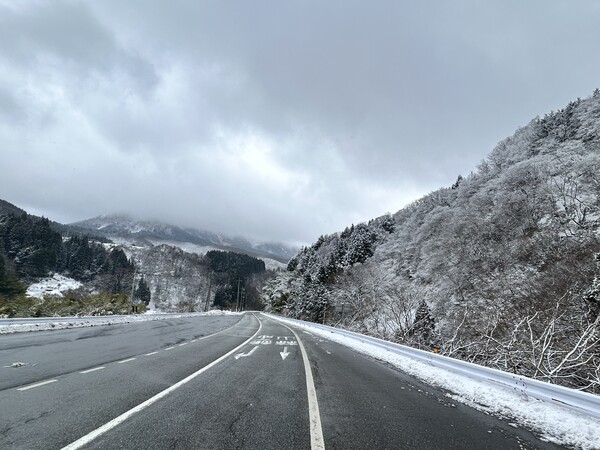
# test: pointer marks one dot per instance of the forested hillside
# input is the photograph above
(238, 279)
(34, 250)
(502, 268)
(181, 281)
(35, 256)
(30, 249)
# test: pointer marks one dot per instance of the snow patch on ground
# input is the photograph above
(187, 247)
(52, 286)
(554, 423)
(271, 264)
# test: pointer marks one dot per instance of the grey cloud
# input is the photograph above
(10, 109)
(364, 106)
(387, 72)
(64, 39)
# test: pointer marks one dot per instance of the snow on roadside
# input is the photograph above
(62, 323)
(53, 286)
(554, 423)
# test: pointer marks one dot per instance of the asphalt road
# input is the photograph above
(223, 382)
(44, 320)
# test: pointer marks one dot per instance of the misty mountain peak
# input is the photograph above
(125, 226)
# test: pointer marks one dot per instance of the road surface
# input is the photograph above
(223, 382)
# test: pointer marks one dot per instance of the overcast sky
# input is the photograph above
(278, 120)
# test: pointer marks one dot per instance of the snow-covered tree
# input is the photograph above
(504, 259)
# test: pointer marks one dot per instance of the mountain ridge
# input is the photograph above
(37, 260)
(126, 226)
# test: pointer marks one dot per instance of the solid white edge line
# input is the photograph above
(120, 419)
(93, 370)
(169, 348)
(31, 386)
(316, 431)
(125, 360)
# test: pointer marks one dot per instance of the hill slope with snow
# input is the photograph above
(502, 268)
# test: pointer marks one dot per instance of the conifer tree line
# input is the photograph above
(233, 273)
(30, 249)
(319, 265)
(501, 268)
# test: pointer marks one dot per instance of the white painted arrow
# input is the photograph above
(243, 355)
(284, 354)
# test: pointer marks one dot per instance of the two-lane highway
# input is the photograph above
(82, 379)
(226, 382)
(257, 398)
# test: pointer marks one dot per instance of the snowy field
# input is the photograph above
(552, 422)
(52, 286)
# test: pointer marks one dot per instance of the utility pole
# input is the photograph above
(132, 289)
(208, 295)
(237, 303)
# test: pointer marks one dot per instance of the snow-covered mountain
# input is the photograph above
(181, 280)
(179, 267)
(170, 258)
(502, 268)
(131, 229)
(178, 280)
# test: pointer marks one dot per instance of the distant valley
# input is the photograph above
(182, 269)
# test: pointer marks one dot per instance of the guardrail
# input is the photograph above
(583, 402)
(75, 319)
(37, 320)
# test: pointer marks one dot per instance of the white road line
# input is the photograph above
(243, 355)
(125, 360)
(170, 348)
(185, 343)
(120, 419)
(151, 353)
(193, 340)
(31, 386)
(92, 370)
(316, 431)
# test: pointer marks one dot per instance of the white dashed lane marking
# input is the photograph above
(42, 383)
(92, 370)
(120, 419)
(125, 360)
(31, 386)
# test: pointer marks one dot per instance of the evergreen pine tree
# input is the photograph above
(142, 293)
(423, 325)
